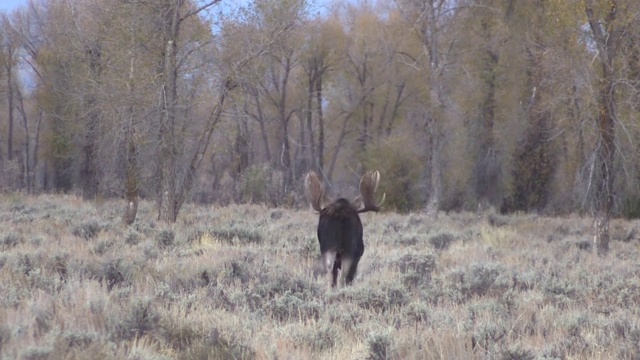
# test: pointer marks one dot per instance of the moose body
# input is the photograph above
(340, 236)
(340, 232)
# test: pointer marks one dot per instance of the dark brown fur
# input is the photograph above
(340, 231)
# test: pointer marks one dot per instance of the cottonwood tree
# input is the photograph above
(323, 39)
(47, 29)
(270, 82)
(29, 34)
(367, 87)
(173, 16)
(607, 28)
(88, 38)
(630, 96)
(317, 59)
(77, 65)
(9, 59)
(487, 167)
(519, 42)
(175, 68)
(132, 107)
(429, 21)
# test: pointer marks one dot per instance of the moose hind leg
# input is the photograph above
(347, 264)
(329, 259)
(351, 272)
(337, 266)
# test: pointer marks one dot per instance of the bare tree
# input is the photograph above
(24, 40)
(9, 52)
(173, 191)
(132, 168)
(429, 20)
(173, 15)
(606, 35)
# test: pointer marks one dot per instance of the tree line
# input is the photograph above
(518, 105)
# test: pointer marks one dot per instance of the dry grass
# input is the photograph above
(245, 282)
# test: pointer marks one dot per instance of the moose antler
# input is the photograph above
(368, 186)
(313, 190)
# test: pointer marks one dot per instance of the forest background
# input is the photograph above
(518, 105)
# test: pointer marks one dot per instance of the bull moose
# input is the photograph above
(340, 228)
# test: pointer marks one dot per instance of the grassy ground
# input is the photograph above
(246, 282)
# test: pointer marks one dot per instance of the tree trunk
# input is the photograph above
(90, 149)
(607, 44)
(9, 74)
(259, 117)
(131, 178)
(364, 128)
(27, 145)
(265, 142)
(311, 78)
(605, 158)
(132, 171)
(31, 172)
(285, 155)
(434, 166)
(486, 169)
(320, 161)
(301, 160)
(334, 157)
(90, 185)
(169, 95)
(242, 146)
(430, 33)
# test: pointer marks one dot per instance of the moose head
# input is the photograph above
(340, 228)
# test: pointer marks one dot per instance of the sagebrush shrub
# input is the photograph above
(132, 238)
(78, 339)
(87, 230)
(291, 307)
(112, 272)
(379, 345)
(416, 312)
(242, 234)
(421, 263)
(179, 335)
(36, 353)
(346, 316)
(166, 238)
(442, 241)
(481, 278)
(320, 337)
(516, 352)
(141, 318)
(11, 240)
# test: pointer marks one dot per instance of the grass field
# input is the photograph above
(245, 282)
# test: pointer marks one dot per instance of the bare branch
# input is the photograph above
(199, 9)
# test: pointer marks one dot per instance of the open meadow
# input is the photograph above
(245, 282)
